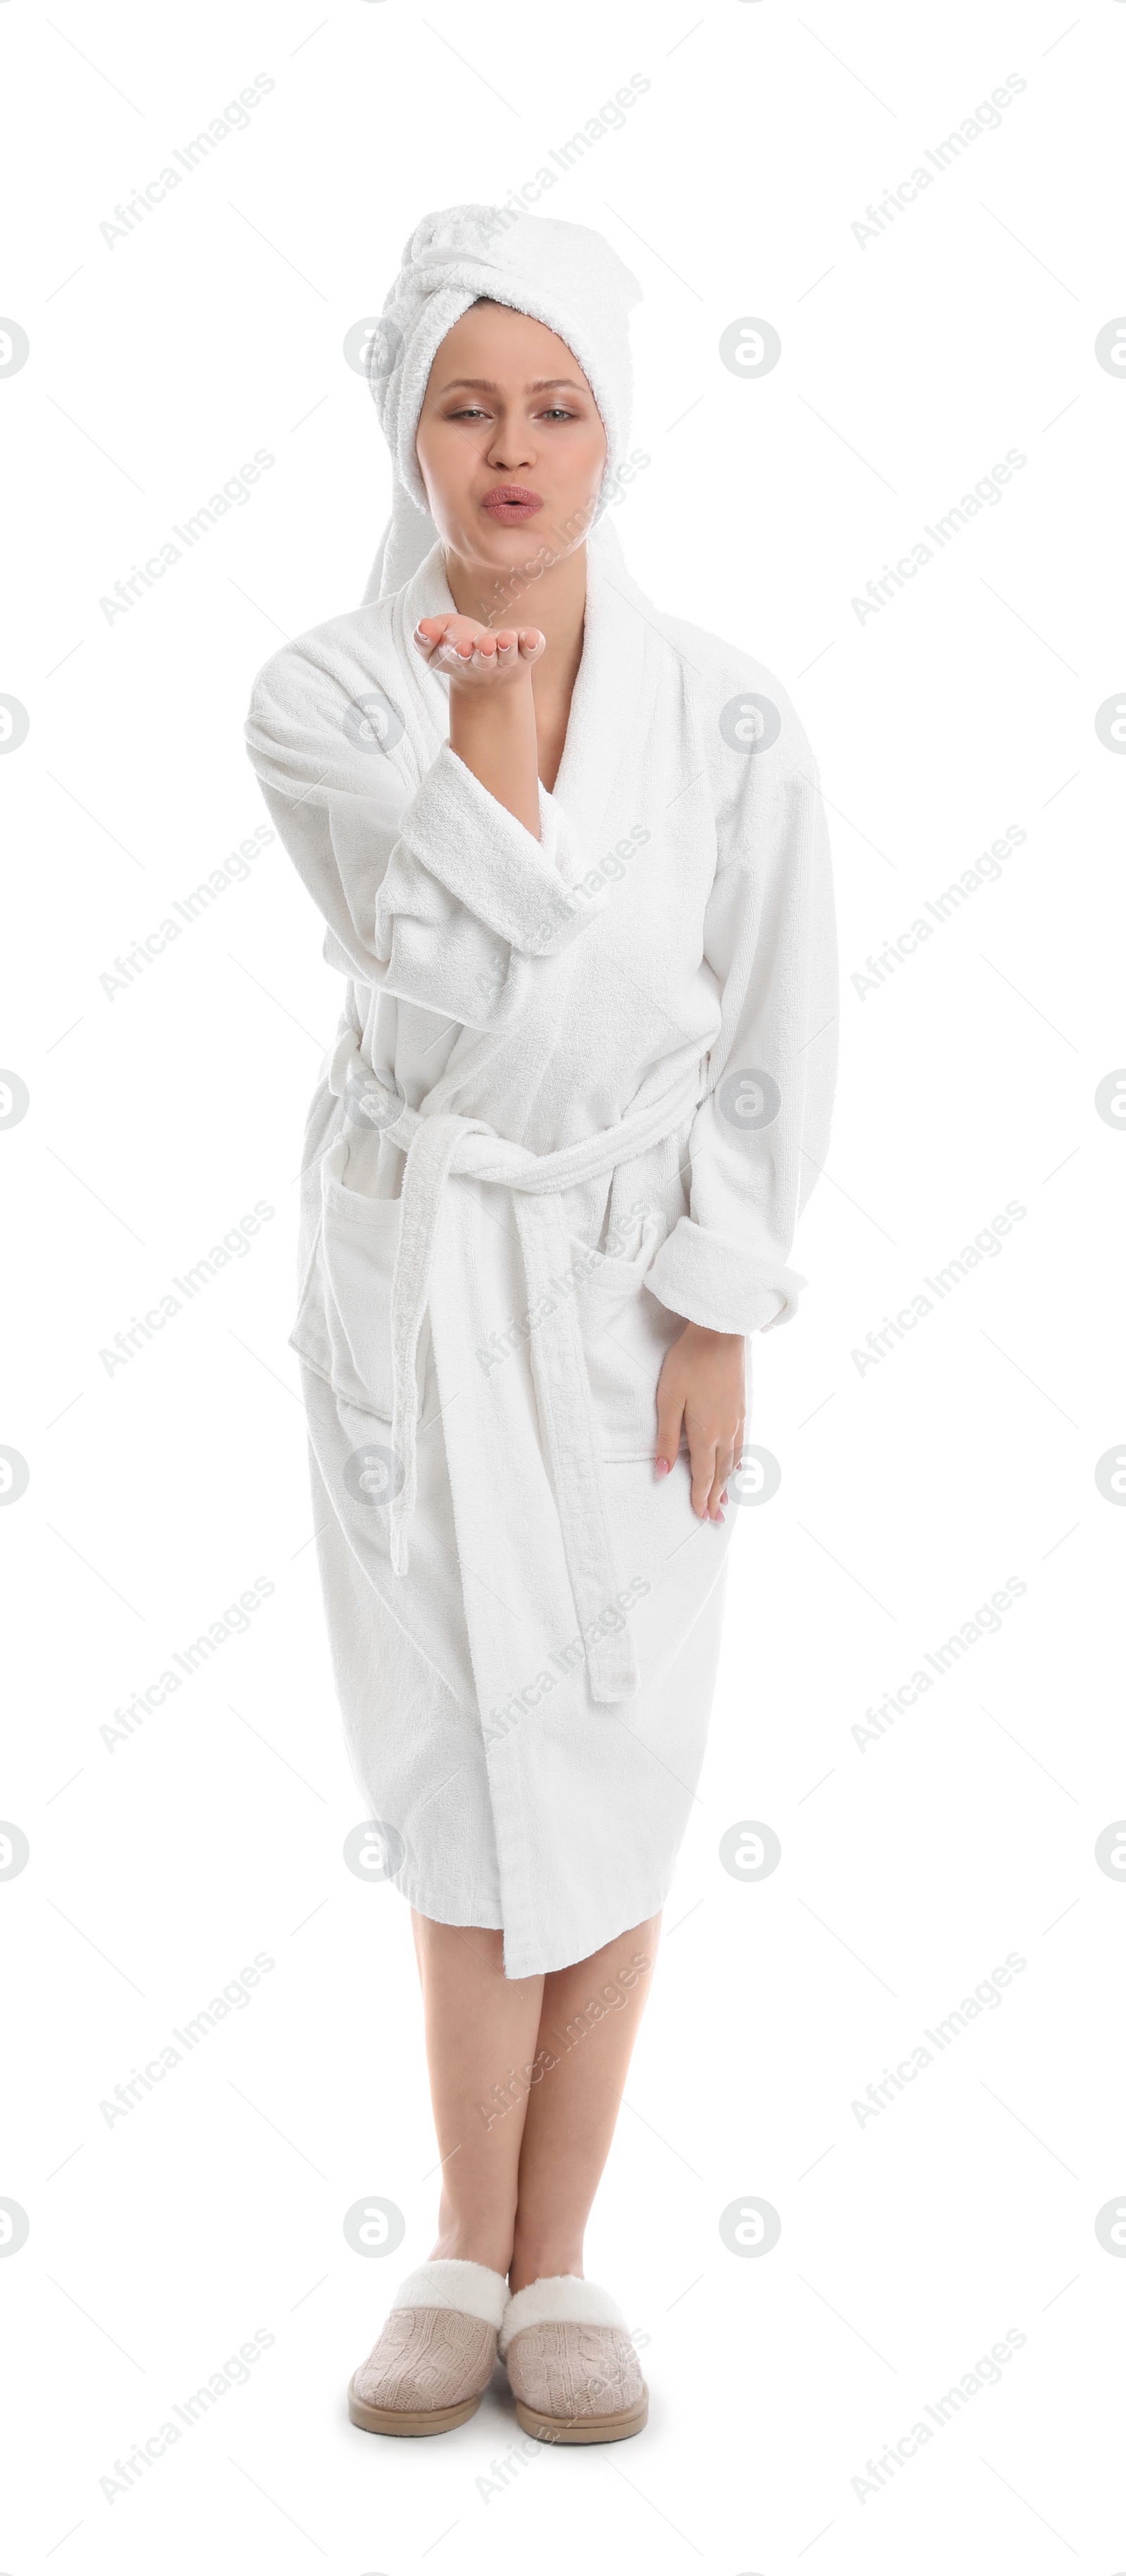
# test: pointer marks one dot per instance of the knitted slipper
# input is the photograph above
(571, 2365)
(434, 2359)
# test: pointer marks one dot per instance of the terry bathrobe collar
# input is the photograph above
(619, 669)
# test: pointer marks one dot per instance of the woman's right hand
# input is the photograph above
(492, 708)
(472, 656)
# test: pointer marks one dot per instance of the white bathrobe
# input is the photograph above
(580, 1092)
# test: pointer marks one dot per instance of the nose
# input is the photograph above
(511, 445)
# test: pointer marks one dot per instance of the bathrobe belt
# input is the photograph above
(443, 1144)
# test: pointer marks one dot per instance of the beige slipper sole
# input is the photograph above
(583, 2428)
(400, 2419)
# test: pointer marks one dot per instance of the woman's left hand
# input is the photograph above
(702, 1386)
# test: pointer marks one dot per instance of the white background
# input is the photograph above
(911, 1489)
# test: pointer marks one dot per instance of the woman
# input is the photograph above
(571, 856)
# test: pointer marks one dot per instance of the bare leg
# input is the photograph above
(573, 2105)
(480, 2034)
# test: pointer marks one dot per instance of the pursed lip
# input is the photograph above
(511, 501)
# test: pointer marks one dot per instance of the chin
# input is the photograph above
(508, 551)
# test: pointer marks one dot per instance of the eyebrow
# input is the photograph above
(485, 385)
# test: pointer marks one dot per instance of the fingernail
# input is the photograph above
(662, 1467)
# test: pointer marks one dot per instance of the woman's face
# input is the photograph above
(507, 403)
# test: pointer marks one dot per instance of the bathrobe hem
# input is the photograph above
(547, 1967)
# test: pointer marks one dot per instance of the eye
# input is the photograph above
(477, 411)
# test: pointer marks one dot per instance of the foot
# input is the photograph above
(433, 2361)
(571, 2365)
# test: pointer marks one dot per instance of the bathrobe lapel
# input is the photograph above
(615, 685)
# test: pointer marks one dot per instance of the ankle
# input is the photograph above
(466, 2241)
(546, 2261)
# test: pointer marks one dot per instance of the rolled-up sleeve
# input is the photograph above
(463, 840)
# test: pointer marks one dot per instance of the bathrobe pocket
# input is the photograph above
(626, 1332)
(343, 1325)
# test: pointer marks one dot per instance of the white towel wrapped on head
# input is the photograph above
(564, 275)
